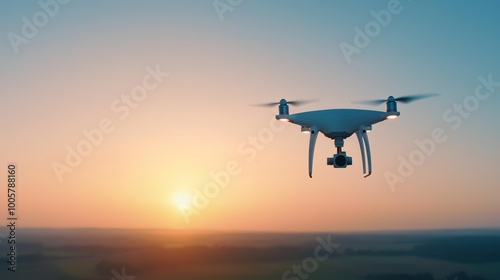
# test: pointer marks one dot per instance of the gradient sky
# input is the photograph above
(65, 79)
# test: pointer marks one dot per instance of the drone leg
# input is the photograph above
(362, 148)
(312, 143)
(368, 154)
(363, 141)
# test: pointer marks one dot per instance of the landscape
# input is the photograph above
(72, 254)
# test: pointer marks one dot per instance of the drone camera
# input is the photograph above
(339, 160)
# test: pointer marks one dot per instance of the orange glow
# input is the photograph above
(191, 149)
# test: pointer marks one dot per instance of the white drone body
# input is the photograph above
(339, 124)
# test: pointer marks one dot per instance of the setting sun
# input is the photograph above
(182, 200)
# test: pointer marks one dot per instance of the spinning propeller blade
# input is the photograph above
(293, 102)
(403, 99)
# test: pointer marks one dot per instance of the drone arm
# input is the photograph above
(312, 143)
(363, 142)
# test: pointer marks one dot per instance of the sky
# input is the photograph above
(135, 114)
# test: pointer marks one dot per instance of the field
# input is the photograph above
(74, 254)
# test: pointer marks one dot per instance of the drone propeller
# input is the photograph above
(403, 99)
(283, 101)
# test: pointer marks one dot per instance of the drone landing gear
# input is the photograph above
(340, 159)
(363, 141)
(312, 142)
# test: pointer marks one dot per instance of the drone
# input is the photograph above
(339, 124)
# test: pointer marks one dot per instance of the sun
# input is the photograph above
(182, 200)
